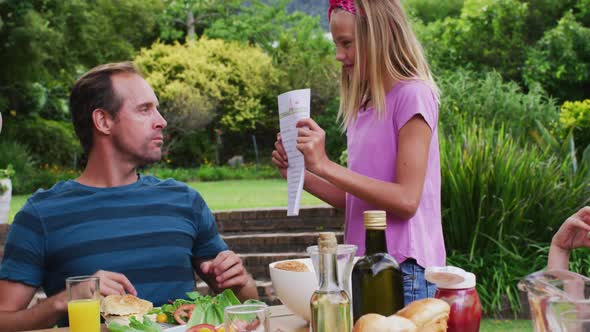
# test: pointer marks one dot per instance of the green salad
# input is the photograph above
(195, 310)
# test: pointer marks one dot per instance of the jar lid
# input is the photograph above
(450, 277)
(375, 219)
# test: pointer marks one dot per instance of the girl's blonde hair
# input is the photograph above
(386, 46)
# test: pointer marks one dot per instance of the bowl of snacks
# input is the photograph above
(294, 282)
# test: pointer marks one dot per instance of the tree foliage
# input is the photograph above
(47, 43)
(560, 61)
(219, 80)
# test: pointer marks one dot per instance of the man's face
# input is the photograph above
(137, 131)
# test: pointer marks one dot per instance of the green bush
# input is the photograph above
(560, 61)
(49, 142)
(429, 10)
(489, 35)
(575, 118)
(501, 201)
(466, 94)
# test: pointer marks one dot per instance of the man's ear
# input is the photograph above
(103, 121)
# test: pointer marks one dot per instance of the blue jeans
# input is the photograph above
(415, 285)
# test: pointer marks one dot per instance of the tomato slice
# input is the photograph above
(185, 310)
(202, 328)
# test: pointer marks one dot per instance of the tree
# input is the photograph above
(46, 44)
(187, 19)
(212, 80)
(560, 61)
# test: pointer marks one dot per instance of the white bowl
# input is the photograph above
(295, 289)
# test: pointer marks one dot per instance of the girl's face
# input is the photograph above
(342, 28)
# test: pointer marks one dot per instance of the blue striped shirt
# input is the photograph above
(149, 231)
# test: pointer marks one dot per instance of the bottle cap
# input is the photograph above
(450, 277)
(327, 243)
(375, 220)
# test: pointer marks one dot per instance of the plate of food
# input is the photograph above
(196, 313)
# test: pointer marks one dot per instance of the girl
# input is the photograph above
(389, 109)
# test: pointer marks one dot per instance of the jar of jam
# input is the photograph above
(457, 288)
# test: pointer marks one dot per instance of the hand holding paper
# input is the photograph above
(293, 106)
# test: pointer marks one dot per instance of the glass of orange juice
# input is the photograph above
(83, 303)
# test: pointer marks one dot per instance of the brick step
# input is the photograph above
(275, 220)
(257, 264)
(274, 242)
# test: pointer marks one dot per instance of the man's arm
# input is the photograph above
(14, 315)
(227, 271)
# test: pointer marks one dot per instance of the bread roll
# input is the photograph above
(127, 304)
(120, 308)
(378, 323)
(429, 315)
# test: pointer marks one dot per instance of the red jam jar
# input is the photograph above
(457, 287)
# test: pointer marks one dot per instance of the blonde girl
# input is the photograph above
(389, 109)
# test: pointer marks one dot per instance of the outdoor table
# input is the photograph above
(281, 320)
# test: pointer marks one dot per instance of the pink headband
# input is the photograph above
(347, 5)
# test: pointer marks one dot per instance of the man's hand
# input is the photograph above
(227, 271)
(113, 283)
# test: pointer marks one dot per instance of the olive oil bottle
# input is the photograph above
(377, 285)
(330, 306)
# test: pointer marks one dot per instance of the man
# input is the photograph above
(139, 234)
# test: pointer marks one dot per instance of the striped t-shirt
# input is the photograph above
(149, 231)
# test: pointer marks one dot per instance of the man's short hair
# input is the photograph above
(92, 91)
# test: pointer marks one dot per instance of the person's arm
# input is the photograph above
(227, 271)
(313, 184)
(401, 198)
(14, 315)
(573, 233)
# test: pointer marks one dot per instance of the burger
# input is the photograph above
(120, 308)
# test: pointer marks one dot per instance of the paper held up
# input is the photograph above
(293, 106)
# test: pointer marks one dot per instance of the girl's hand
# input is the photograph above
(311, 141)
(574, 232)
(279, 156)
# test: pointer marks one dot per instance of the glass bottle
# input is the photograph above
(330, 306)
(457, 287)
(377, 284)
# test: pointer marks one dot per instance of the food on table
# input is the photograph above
(135, 326)
(183, 313)
(379, 323)
(293, 266)
(198, 309)
(202, 328)
(428, 314)
(120, 308)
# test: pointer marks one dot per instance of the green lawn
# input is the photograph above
(243, 194)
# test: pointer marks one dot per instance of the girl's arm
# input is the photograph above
(401, 198)
(313, 184)
(573, 233)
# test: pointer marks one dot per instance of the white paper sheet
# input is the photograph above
(293, 106)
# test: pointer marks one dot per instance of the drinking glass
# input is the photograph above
(83, 303)
(247, 318)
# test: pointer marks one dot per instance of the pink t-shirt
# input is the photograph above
(372, 151)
